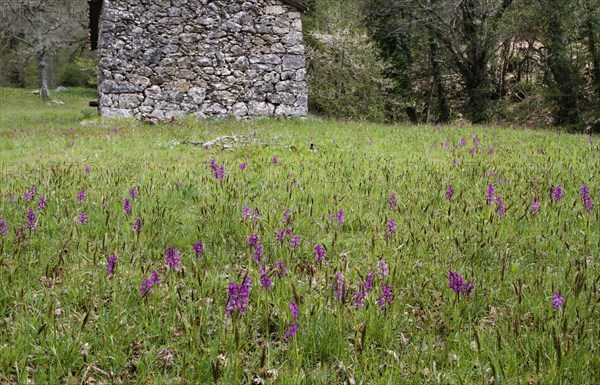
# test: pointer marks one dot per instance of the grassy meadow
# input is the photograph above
(293, 252)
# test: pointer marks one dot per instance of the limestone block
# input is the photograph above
(114, 87)
(260, 108)
(130, 100)
(293, 62)
(274, 10)
(141, 82)
(197, 94)
(116, 112)
(239, 109)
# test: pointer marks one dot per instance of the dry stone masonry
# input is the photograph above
(161, 59)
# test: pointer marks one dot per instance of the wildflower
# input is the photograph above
(490, 194)
(111, 265)
(155, 278)
(243, 166)
(148, 284)
(137, 225)
(41, 203)
(282, 234)
(27, 196)
(358, 300)
(31, 220)
(454, 162)
(30, 193)
(368, 283)
(133, 193)
(585, 197)
(258, 254)
(217, 171)
(294, 309)
(248, 214)
(11, 197)
(253, 240)
(340, 216)
(500, 204)
(535, 207)
(294, 242)
(279, 269)
(392, 200)
(81, 196)
(383, 270)
(275, 160)
(265, 282)
(457, 284)
(146, 287)
(556, 193)
(291, 331)
(245, 212)
(172, 257)
(557, 301)
(387, 296)
(88, 170)
(199, 249)
(82, 217)
(449, 192)
(238, 297)
(391, 228)
(319, 253)
(3, 227)
(339, 286)
(287, 218)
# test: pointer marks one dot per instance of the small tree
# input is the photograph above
(41, 27)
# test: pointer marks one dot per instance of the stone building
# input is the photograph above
(161, 59)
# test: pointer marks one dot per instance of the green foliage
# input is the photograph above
(71, 76)
(81, 73)
(89, 69)
(345, 74)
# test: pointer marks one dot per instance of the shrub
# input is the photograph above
(71, 76)
(345, 73)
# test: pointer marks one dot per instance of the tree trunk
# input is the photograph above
(395, 45)
(43, 76)
(478, 95)
(561, 67)
(440, 91)
(475, 74)
(590, 27)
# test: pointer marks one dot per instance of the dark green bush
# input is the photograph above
(71, 75)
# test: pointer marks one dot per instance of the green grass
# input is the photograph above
(62, 320)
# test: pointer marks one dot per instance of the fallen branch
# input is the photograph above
(227, 141)
(231, 141)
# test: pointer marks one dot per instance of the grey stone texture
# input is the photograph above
(162, 59)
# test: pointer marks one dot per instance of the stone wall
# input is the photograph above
(161, 59)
